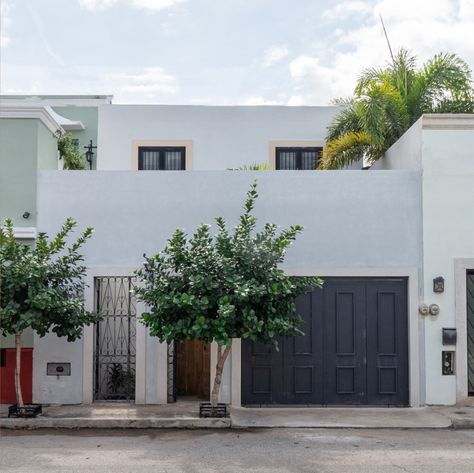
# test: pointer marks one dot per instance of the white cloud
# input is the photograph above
(149, 5)
(258, 100)
(96, 5)
(145, 82)
(347, 8)
(274, 55)
(127, 85)
(466, 8)
(332, 69)
(155, 5)
(5, 21)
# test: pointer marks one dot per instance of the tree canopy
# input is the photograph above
(223, 286)
(387, 101)
(41, 286)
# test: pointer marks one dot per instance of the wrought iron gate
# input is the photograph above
(115, 336)
(470, 332)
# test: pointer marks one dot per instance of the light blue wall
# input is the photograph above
(351, 218)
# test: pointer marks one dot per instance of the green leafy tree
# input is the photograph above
(387, 101)
(68, 152)
(223, 286)
(41, 288)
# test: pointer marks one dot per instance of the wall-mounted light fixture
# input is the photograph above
(26, 215)
(438, 284)
(90, 153)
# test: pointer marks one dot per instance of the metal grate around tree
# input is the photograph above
(115, 338)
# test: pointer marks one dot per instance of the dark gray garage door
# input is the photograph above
(354, 351)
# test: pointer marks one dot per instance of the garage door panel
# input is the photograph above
(303, 355)
(261, 350)
(262, 380)
(303, 345)
(387, 347)
(261, 373)
(344, 328)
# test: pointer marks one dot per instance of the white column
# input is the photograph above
(140, 357)
(88, 344)
(236, 372)
(225, 394)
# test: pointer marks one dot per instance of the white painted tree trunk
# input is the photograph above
(19, 397)
(221, 359)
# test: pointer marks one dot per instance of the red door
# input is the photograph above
(7, 375)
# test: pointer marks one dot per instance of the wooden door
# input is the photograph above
(193, 369)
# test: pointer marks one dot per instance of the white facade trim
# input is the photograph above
(85, 101)
(448, 121)
(38, 112)
(66, 123)
(140, 357)
(461, 267)
(236, 382)
(25, 233)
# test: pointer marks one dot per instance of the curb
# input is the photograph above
(463, 424)
(114, 423)
(73, 423)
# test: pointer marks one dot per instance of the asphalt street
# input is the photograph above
(263, 451)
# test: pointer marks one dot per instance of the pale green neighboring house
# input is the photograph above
(77, 114)
(28, 143)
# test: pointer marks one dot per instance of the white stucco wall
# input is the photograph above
(448, 227)
(405, 153)
(222, 137)
(56, 389)
(442, 147)
(352, 219)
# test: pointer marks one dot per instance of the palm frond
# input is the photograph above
(370, 76)
(345, 150)
(383, 114)
(443, 78)
(403, 71)
(346, 120)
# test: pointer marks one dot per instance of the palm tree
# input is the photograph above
(389, 100)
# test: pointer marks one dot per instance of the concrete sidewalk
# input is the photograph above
(357, 418)
(186, 415)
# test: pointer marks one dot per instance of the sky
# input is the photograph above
(218, 52)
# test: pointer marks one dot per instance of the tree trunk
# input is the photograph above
(221, 358)
(19, 397)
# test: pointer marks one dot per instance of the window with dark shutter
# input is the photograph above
(299, 159)
(152, 158)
